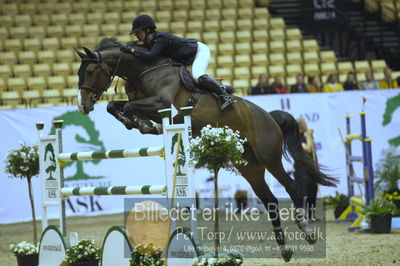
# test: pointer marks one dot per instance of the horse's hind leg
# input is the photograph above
(271, 158)
(254, 174)
(275, 167)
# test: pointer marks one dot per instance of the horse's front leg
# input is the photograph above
(145, 108)
(116, 108)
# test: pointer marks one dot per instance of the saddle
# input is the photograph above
(185, 74)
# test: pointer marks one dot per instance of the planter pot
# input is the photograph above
(339, 210)
(381, 224)
(85, 263)
(28, 260)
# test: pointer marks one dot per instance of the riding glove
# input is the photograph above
(126, 49)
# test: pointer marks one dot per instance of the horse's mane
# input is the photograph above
(108, 43)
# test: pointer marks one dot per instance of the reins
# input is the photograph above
(170, 63)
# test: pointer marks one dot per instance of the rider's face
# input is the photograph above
(141, 35)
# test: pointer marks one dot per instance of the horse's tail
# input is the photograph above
(292, 144)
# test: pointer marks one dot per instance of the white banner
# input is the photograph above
(323, 112)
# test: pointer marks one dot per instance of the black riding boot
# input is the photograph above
(218, 88)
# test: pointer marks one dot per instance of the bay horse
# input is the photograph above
(154, 85)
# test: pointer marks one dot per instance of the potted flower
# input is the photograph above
(380, 212)
(387, 175)
(84, 253)
(214, 149)
(227, 258)
(338, 203)
(394, 196)
(24, 163)
(146, 255)
(26, 253)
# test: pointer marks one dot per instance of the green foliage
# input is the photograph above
(146, 255)
(24, 248)
(380, 206)
(387, 172)
(84, 251)
(332, 202)
(217, 148)
(23, 162)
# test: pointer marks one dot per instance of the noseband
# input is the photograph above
(96, 94)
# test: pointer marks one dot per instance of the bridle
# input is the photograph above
(96, 94)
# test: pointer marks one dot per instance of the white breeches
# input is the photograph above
(201, 60)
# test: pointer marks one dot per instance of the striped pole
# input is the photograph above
(113, 190)
(111, 154)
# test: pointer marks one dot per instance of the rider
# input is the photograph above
(185, 51)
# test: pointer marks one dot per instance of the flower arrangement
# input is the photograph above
(24, 248)
(338, 203)
(380, 207)
(229, 257)
(217, 148)
(146, 255)
(380, 212)
(24, 163)
(391, 196)
(387, 171)
(332, 202)
(214, 149)
(84, 251)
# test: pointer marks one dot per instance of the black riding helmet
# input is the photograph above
(142, 22)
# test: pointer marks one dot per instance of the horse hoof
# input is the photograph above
(286, 253)
(128, 126)
(310, 234)
(311, 239)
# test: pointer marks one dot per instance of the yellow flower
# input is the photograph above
(395, 193)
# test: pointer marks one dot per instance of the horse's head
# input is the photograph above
(94, 79)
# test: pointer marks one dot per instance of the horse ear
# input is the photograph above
(89, 53)
(81, 55)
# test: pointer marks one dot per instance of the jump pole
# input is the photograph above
(52, 159)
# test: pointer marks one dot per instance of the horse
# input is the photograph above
(155, 84)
